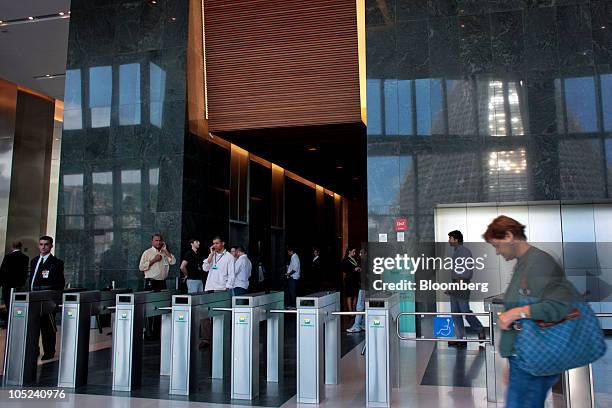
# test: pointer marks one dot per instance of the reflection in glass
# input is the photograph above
(404, 92)
(496, 114)
(100, 95)
(460, 96)
(374, 103)
(130, 191)
(559, 109)
(129, 94)
(580, 168)
(157, 94)
(580, 105)
(103, 222)
(423, 106)
(438, 108)
(506, 176)
(391, 109)
(606, 101)
(608, 148)
(514, 102)
(153, 188)
(72, 200)
(73, 109)
(384, 196)
(102, 192)
(102, 250)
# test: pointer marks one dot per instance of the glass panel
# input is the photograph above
(606, 100)
(391, 109)
(102, 250)
(516, 116)
(100, 95)
(129, 94)
(73, 108)
(506, 176)
(580, 105)
(102, 192)
(404, 91)
(559, 106)
(460, 96)
(494, 115)
(438, 109)
(130, 191)
(423, 106)
(609, 165)
(153, 188)
(157, 94)
(72, 193)
(374, 101)
(384, 195)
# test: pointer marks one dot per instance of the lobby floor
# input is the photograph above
(431, 376)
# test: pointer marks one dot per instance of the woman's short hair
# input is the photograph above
(503, 224)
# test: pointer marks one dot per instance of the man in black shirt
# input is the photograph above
(191, 267)
(13, 272)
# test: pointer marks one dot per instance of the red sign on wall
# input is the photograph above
(401, 224)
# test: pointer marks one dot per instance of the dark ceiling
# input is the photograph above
(333, 156)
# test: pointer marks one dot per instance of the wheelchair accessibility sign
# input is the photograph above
(443, 327)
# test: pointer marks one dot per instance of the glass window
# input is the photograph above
(153, 188)
(130, 191)
(423, 106)
(102, 192)
(72, 200)
(606, 97)
(73, 108)
(516, 116)
(404, 96)
(391, 108)
(461, 120)
(580, 105)
(100, 95)
(609, 165)
(129, 94)
(506, 175)
(374, 104)
(495, 114)
(157, 94)
(384, 183)
(438, 108)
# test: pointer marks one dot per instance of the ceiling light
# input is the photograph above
(312, 149)
(173, 18)
(61, 13)
(339, 166)
(30, 18)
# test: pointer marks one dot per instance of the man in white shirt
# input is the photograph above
(220, 266)
(292, 275)
(242, 272)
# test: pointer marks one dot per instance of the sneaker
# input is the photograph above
(353, 330)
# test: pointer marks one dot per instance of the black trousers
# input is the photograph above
(153, 325)
(47, 331)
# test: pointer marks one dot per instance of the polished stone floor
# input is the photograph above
(431, 376)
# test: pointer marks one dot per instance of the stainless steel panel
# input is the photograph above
(68, 349)
(310, 357)
(378, 387)
(245, 354)
(181, 349)
(166, 344)
(16, 344)
(122, 348)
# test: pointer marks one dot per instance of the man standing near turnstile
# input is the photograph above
(155, 263)
(13, 273)
(47, 273)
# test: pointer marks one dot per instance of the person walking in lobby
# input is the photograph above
(13, 273)
(47, 273)
(191, 267)
(460, 300)
(242, 273)
(155, 263)
(292, 275)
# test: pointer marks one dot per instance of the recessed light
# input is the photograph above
(30, 18)
(173, 18)
(312, 149)
(61, 13)
(47, 75)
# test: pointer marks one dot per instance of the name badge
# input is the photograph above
(215, 267)
(45, 274)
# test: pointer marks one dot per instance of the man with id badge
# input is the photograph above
(220, 266)
(47, 273)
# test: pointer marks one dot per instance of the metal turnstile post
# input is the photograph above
(318, 345)
(22, 350)
(247, 312)
(188, 312)
(131, 310)
(382, 352)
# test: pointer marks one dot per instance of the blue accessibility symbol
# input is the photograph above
(443, 327)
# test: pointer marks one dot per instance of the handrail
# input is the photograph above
(490, 340)
(222, 309)
(283, 311)
(348, 313)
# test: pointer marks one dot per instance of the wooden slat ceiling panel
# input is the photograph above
(277, 63)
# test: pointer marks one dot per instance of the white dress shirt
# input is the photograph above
(294, 265)
(242, 272)
(41, 260)
(219, 271)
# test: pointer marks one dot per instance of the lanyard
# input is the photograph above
(217, 260)
(352, 261)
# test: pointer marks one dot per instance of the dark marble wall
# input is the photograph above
(124, 135)
(485, 101)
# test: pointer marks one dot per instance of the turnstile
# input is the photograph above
(188, 312)
(75, 329)
(247, 312)
(131, 311)
(22, 350)
(318, 345)
(382, 348)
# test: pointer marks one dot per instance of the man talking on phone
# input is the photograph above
(155, 263)
(220, 266)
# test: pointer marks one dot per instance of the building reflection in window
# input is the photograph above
(157, 94)
(506, 175)
(131, 198)
(100, 95)
(391, 108)
(514, 105)
(73, 108)
(129, 94)
(72, 200)
(374, 101)
(496, 112)
(580, 104)
(153, 188)
(606, 101)
(608, 148)
(383, 197)
(404, 99)
(460, 100)
(423, 106)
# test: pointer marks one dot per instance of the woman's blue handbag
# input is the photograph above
(551, 348)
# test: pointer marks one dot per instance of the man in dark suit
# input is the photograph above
(13, 272)
(47, 273)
